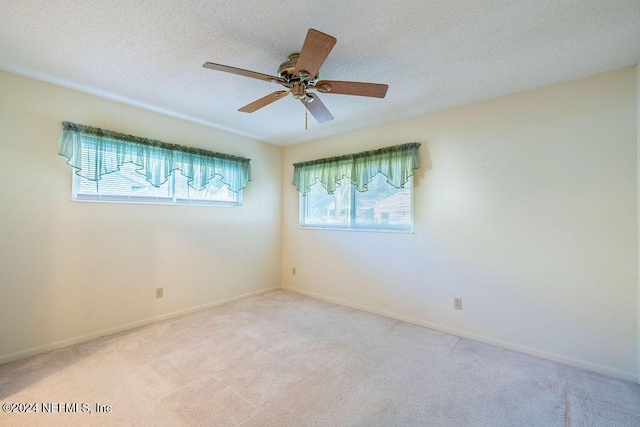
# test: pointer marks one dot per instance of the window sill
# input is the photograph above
(370, 230)
(156, 202)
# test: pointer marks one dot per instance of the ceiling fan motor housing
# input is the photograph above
(288, 68)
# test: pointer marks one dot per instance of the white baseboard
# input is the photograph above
(628, 376)
(76, 340)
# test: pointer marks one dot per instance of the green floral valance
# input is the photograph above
(94, 152)
(396, 163)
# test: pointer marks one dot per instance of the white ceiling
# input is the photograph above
(433, 54)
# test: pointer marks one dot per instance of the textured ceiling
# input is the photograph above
(433, 54)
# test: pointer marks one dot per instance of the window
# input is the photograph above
(111, 166)
(371, 190)
(381, 207)
(127, 185)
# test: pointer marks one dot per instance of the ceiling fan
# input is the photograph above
(299, 74)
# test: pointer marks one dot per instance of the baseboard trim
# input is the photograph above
(93, 335)
(594, 367)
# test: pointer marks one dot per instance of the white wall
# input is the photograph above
(72, 269)
(525, 207)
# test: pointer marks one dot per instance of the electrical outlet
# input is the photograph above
(293, 271)
(159, 292)
(457, 303)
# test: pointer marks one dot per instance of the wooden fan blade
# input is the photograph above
(314, 51)
(239, 71)
(374, 90)
(317, 109)
(264, 101)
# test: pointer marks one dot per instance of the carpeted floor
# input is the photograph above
(283, 359)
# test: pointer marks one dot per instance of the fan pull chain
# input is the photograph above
(305, 118)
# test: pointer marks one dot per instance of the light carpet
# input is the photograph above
(283, 359)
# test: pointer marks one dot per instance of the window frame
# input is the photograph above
(352, 225)
(77, 196)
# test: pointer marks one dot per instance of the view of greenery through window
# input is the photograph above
(381, 207)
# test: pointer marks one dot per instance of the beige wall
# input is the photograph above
(73, 269)
(638, 175)
(525, 207)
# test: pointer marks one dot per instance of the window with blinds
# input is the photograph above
(116, 167)
(381, 208)
(129, 186)
(371, 190)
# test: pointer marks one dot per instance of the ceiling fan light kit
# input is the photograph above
(299, 73)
